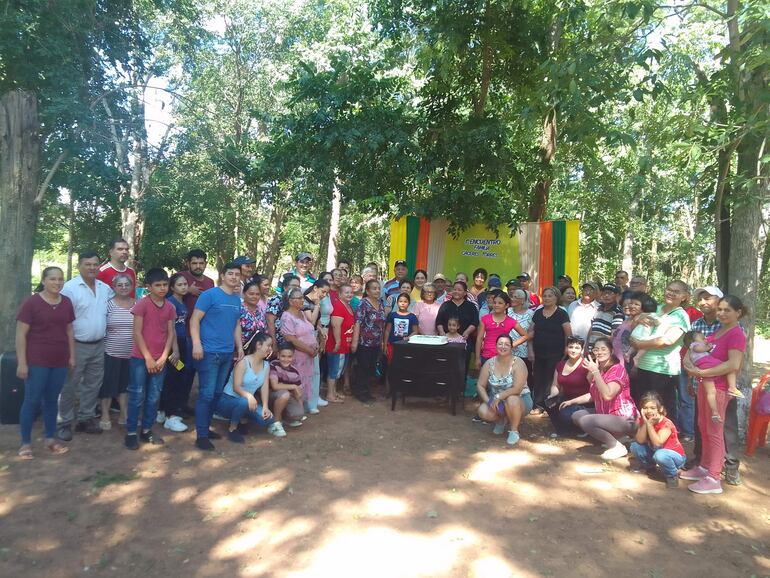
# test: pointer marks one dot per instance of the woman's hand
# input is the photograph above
(354, 347)
(564, 404)
(531, 355)
(252, 401)
(72, 363)
(266, 413)
(297, 393)
(477, 363)
(22, 371)
(590, 365)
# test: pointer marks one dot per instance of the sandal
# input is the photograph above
(335, 399)
(25, 453)
(57, 449)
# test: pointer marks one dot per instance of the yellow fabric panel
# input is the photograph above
(572, 252)
(397, 244)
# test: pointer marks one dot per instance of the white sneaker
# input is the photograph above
(295, 423)
(161, 417)
(322, 402)
(175, 423)
(276, 429)
(313, 411)
(105, 425)
(614, 453)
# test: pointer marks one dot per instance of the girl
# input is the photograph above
(405, 288)
(657, 442)
(174, 394)
(570, 381)
(419, 280)
(453, 331)
(494, 324)
(45, 349)
(400, 325)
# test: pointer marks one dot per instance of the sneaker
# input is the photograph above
(554, 436)
(513, 438)
(694, 474)
(615, 453)
(235, 437)
(295, 423)
(686, 439)
(477, 419)
(105, 425)
(64, 433)
(732, 477)
(707, 485)
(214, 435)
(499, 428)
(150, 438)
(672, 483)
(313, 411)
(204, 444)
(131, 441)
(276, 429)
(122, 421)
(322, 402)
(160, 417)
(88, 426)
(175, 423)
(220, 417)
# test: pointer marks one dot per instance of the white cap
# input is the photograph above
(711, 290)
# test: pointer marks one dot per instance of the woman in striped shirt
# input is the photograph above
(117, 349)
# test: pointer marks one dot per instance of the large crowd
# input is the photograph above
(610, 362)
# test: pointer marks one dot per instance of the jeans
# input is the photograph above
(670, 462)
(144, 389)
(213, 371)
(686, 409)
(562, 418)
(366, 367)
(84, 383)
(43, 385)
(237, 407)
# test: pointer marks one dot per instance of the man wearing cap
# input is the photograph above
(247, 269)
(707, 299)
(391, 287)
(526, 284)
(583, 311)
(302, 265)
(439, 282)
(563, 281)
(608, 316)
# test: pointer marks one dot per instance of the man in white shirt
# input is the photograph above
(89, 298)
(582, 311)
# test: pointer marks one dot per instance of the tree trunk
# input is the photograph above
(334, 228)
(19, 203)
(539, 204)
(722, 216)
(271, 261)
(71, 237)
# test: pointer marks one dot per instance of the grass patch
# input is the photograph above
(103, 479)
(762, 327)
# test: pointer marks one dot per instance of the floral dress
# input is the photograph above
(304, 331)
(275, 306)
(371, 322)
(252, 323)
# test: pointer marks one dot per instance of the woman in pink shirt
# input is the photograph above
(427, 309)
(495, 324)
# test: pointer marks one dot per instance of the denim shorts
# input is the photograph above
(336, 364)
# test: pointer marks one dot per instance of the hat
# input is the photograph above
(438, 276)
(302, 256)
(565, 277)
(243, 260)
(399, 262)
(494, 282)
(711, 290)
(590, 284)
(610, 287)
(514, 282)
(523, 276)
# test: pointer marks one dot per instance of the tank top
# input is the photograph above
(498, 384)
(251, 381)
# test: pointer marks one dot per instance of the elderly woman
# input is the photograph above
(297, 330)
(520, 312)
(275, 308)
(614, 414)
(340, 339)
(426, 310)
(570, 381)
(367, 338)
(502, 387)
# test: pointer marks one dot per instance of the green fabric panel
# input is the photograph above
(412, 239)
(559, 247)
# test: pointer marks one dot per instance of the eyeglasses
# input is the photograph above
(123, 286)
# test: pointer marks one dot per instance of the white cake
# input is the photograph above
(428, 339)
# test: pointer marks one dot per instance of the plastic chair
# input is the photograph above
(758, 423)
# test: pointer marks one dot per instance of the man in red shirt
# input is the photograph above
(526, 284)
(117, 264)
(196, 280)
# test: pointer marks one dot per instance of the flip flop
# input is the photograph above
(335, 399)
(57, 449)
(25, 453)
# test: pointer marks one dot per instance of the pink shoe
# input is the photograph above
(694, 474)
(707, 485)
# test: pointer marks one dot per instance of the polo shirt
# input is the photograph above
(581, 315)
(107, 273)
(90, 308)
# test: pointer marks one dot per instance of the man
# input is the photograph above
(526, 284)
(302, 265)
(117, 264)
(374, 267)
(89, 298)
(608, 316)
(621, 280)
(563, 281)
(707, 299)
(215, 331)
(439, 282)
(391, 286)
(638, 283)
(197, 282)
(246, 265)
(344, 264)
(583, 311)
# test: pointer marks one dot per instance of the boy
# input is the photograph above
(154, 339)
(286, 387)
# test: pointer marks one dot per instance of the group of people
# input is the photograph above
(589, 362)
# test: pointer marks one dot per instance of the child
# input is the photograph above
(154, 339)
(453, 331)
(646, 326)
(174, 396)
(657, 442)
(286, 387)
(699, 351)
(404, 288)
(400, 325)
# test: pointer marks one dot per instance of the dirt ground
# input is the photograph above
(360, 491)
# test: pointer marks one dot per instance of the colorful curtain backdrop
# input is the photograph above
(544, 250)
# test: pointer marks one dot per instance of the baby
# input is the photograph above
(647, 326)
(699, 351)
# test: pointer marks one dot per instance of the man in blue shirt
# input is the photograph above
(391, 287)
(215, 331)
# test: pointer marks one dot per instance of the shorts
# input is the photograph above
(336, 364)
(526, 399)
(115, 379)
(294, 409)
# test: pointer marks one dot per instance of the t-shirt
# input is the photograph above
(393, 304)
(666, 360)
(119, 341)
(401, 326)
(734, 338)
(575, 384)
(466, 312)
(288, 375)
(621, 405)
(493, 330)
(524, 320)
(203, 283)
(252, 380)
(371, 323)
(672, 443)
(47, 343)
(222, 312)
(426, 314)
(605, 322)
(181, 317)
(107, 273)
(534, 300)
(154, 326)
(581, 315)
(549, 337)
(346, 330)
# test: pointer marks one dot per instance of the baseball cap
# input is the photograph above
(565, 277)
(711, 290)
(514, 282)
(302, 256)
(494, 282)
(439, 276)
(399, 262)
(610, 287)
(590, 284)
(243, 260)
(524, 276)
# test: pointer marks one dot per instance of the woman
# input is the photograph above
(418, 282)
(479, 282)
(468, 295)
(357, 283)
(658, 369)
(502, 387)
(367, 337)
(405, 287)
(520, 312)
(338, 278)
(550, 329)
(314, 296)
(494, 324)
(45, 349)
(426, 310)
(730, 347)
(253, 315)
(458, 306)
(614, 414)
(297, 330)
(275, 307)
(175, 392)
(570, 381)
(567, 297)
(634, 305)
(338, 344)
(118, 343)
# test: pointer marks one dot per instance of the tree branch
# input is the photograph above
(49, 177)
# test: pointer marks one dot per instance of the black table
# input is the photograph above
(427, 371)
